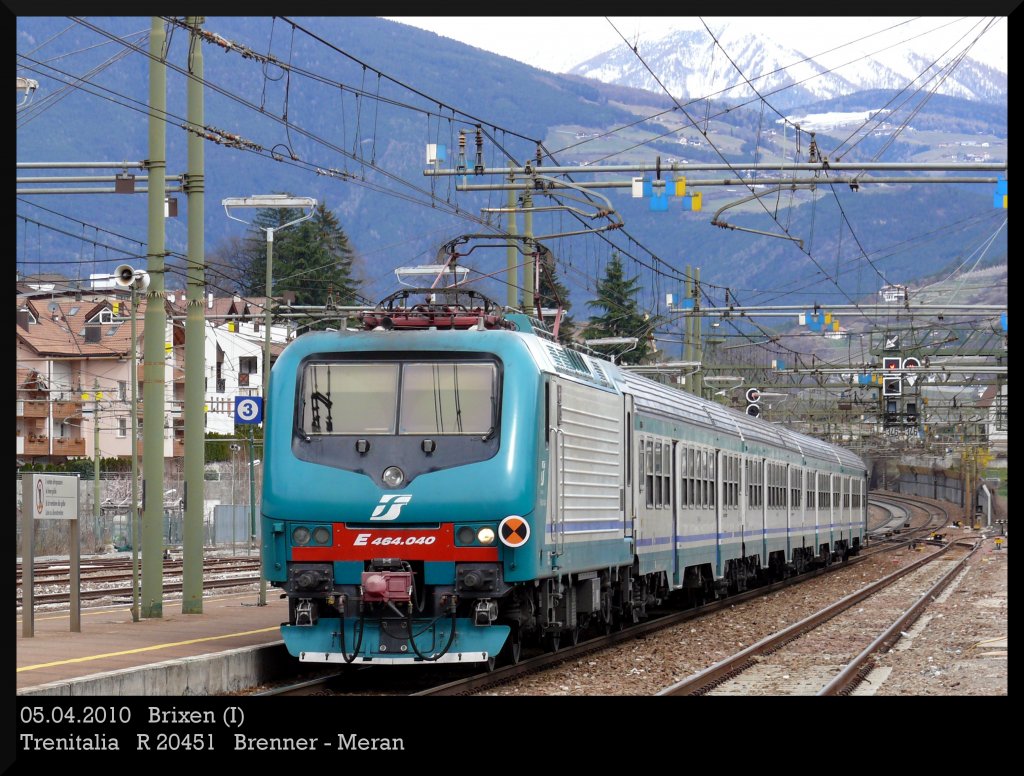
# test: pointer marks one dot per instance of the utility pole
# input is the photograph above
(698, 377)
(528, 268)
(135, 460)
(153, 352)
(97, 532)
(511, 255)
(195, 362)
(252, 507)
(688, 348)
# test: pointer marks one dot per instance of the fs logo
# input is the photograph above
(394, 508)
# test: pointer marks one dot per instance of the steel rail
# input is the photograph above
(847, 679)
(724, 669)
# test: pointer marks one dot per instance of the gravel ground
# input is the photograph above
(959, 645)
(957, 638)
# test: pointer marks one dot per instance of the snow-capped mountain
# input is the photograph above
(691, 66)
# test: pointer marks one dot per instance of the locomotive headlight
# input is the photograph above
(485, 535)
(393, 477)
(300, 535)
(321, 535)
(465, 535)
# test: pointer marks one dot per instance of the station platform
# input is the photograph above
(232, 645)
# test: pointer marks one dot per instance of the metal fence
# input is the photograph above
(227, 522)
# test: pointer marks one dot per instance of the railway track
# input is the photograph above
(59, 573)
(926, 516)
(100, 578)
(126, 591)
(829, 652)
(365, 680)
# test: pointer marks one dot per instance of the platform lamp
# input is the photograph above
(267, 202)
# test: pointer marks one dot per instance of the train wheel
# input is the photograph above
(491, 663)
(574, 635)
(554, 641)
(513, 649)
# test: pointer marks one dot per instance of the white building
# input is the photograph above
(234, 367)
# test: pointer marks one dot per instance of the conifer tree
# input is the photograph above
(311, 259)
(621, 317)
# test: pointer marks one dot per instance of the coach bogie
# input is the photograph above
(698, 585)
(824, 556)
(777, 565)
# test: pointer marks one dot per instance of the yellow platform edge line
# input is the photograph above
(144, 649)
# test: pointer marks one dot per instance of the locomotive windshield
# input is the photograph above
(433, 397)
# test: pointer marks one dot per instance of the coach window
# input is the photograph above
(695, 478)
(657, 475)
(641, 471)
(726, 484)
(703, 477)
(690, 474)
(735, 480)
(683, 474)
(750, 483)
(666, 481)
(712, 480)
(650, 473)
(707, 480)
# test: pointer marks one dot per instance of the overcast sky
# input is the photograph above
(556, 43)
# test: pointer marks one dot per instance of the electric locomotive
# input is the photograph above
(449, 482)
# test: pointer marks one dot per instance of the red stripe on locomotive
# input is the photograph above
(408, 544)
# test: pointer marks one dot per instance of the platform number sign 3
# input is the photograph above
(248, 409)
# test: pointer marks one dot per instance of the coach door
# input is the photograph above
(630, 467)
(556, 466)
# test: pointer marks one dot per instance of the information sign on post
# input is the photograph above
(49, 497)
(249, 409)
